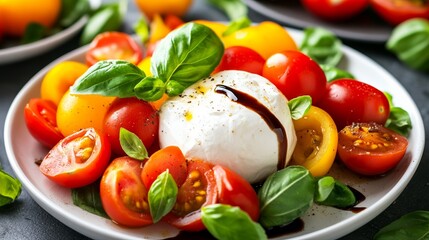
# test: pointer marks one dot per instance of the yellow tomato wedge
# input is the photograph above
(317, 140)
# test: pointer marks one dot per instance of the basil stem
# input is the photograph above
(414, 225)
(331, 192)
(132, 145)
(10, 188)
(285, 196)
(162, 195)
(230, 223)
(88, 199)
(299, 106)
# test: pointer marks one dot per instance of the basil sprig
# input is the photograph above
(183, 57)
(10, 188)
(132, 144)
(162, 195)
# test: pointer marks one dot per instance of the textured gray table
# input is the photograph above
(24, 219)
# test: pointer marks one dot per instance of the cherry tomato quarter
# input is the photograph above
(397, 11)
(78, 159)
(295, 74)
(123, 194)
(40, 119)
(113, 45)
(335, 10)
(241, 58)
(348, 101)
(135, 115)
(370, 148)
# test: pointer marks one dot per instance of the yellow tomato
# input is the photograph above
(76, 112)
(163, 7)
(59, 79)
(17, 14)
(265, 38)
(145, 65)
(317, 140)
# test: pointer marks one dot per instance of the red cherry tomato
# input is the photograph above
(170, 158)
(78, 159)
(348, 101)
(295, 74)
(113, 45)
(234, 190)
(241, 58)
(397, 11)
(335, 10)
(370, 148)
(40, 119)
(198, 190)
(135, 115)
(123, 194)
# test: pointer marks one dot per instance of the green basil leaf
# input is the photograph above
(88, 199)
(106, 18)
(142, 29)
(132, 144)
(34, 32)
(285, 196)
(109, 78)
(399, 120)
(150, 89)
(299, 106)
(414, 225)
(325, 185)
(230, 223)
(236, 25)
(10, 188)
(333, 73)
(410, 42)
(339, 195)
(234, 9)
(162, 195)
(72, 10)
(322, 46)
(186, 55)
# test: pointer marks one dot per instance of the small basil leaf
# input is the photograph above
(150, 89)
(236, 25)
(234, 9)
(414, 225)
(187, 54)
(325, 185)
(162, 195)
(109, 78)
(285, 196)
(399, 121)
(299, 106)
(227, 222)
(174, 88)
(332, 73)
(34, 32)
(340, 196)
(72, 10)
(88, 199)
(132, 145)
(10, 188)
(322, 46)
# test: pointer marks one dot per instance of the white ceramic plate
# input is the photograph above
(365, 27)
(319, 223)
(24, 51)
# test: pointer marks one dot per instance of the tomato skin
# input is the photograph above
(241, 58)
(40, 119)
(91, 155)
(397, 11)
(295, 74)
(135, 115)
(348, 101)
(121, 183)
(170, 158)
(234, 190)
(113, 45)
(370, 148)
(335, 10)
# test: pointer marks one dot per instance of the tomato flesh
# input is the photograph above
(370, 148)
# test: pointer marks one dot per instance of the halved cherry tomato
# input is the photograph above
(295, 74)
(170, 158)
(40, 118)
(123, 194)
(370, 148)
(348, 101)
(113, 45)
(234, 190)
(241, 58)
(317, 140)
(397, 11)
(135, 115)
(198, 190)
(335, 10)
(78, 159)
